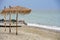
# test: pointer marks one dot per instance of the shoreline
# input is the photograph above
(52, 28)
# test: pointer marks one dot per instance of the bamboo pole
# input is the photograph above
(16, 23)
(5, 21)
(10, 23)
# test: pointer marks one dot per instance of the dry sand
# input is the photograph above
(28, 33)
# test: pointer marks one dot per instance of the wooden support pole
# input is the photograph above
(5, 21)
(10, 23)
(16, 23)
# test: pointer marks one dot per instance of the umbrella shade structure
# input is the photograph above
(14, 10)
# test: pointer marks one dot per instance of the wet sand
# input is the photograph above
(28, 33)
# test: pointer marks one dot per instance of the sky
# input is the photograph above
(33, 4)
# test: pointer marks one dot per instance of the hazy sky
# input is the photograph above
(33, 4)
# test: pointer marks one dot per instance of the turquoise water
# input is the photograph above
(44, 18)
(39, 17)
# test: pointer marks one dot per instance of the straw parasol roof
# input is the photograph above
(16, 9)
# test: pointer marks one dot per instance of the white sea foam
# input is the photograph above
(39, 26)
(45, 27)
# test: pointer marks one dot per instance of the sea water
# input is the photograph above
(43, 18)
(49, 18)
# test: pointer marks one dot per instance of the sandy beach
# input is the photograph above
(30, 19)
(28, 33)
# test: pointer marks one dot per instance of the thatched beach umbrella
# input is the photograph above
(15, 10)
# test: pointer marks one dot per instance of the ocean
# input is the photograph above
(49, 18)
